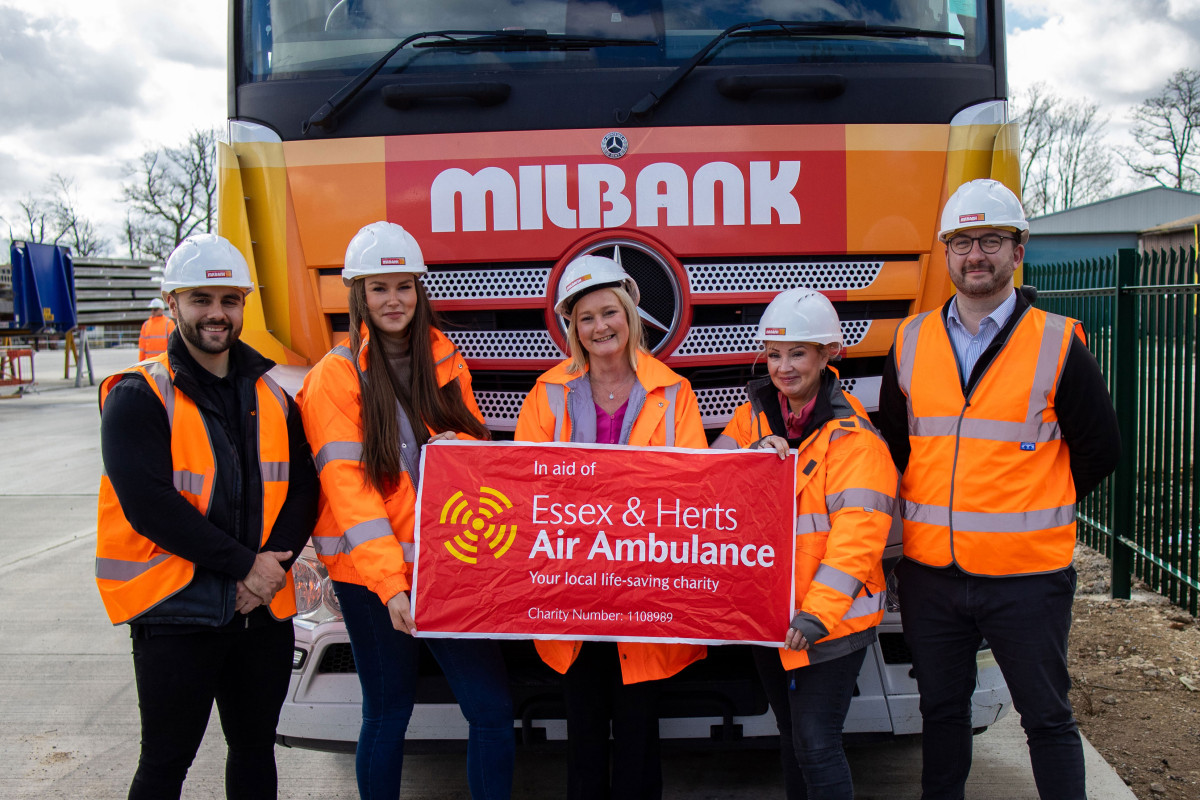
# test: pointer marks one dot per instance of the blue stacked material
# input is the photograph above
(43, 282)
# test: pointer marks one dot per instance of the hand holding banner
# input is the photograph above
(568, 541)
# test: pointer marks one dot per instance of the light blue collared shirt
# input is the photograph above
(968, 348)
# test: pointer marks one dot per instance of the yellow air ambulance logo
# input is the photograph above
(479, 527)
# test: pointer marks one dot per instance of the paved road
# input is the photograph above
(67, 700)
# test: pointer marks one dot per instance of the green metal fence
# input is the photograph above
(1140, 314)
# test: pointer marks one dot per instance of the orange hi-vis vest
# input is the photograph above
(988, 484)
(133, 573)
(845, 501)
(361, 536)
(668, 417)
(152, 340)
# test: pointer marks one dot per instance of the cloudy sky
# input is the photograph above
(87, 85)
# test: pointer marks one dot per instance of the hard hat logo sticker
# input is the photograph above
(479, 526)
(775, 332)
(971, 217)
(218, 273)
(391, 262)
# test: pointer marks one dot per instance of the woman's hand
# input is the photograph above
(444, 435)
(400, 612)
(795, 640)
(777, 443)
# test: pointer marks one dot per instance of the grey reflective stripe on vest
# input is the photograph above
(362, 532)
(343, 351)
(337, 451)
(190, 482)
(837, 580)
(329, 545)
(367, 531)
(556, 398)
(669, 414)
(162, 379)
(860, 498)
(277, 390)
(988, 429)
(865, 606)
(113, 569)
(906, 354)
(1045, 375)
(275, 470)
(989, 522)
(812, 523)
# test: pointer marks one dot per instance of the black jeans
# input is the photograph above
(1026, 621)
(596, 696)
(246, 671)
(810, 705)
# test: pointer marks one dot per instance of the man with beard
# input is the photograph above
(207, 497)
(999, 420)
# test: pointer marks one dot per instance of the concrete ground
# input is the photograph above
(67, 699)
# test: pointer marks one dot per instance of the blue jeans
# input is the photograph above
(1026, 621)
(386, 660)
(810, 705)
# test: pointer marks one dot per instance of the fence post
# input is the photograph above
(1125, 382)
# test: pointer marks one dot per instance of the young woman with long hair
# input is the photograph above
(368, 409)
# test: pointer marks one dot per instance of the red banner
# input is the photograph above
(564, 541)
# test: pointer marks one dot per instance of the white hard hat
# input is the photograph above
(205, 259)
(587, 273)
(983, 203)
(157, 303)
(800, 315)
(382, 248)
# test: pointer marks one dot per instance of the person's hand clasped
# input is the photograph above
(776, 443)
(267, 576)
(401, 613)
(246, 600)
(443, 436)
(795, 640)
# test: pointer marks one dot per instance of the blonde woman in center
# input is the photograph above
(610, 391)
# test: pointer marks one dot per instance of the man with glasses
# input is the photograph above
(999, 420)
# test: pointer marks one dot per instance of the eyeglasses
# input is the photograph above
(988, 243)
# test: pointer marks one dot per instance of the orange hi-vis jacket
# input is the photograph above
(152, 341)
(845, 501)
(361, 536)
(132, 572)
(662, 412)
(988, 485)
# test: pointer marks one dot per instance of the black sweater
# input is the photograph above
(135, 439)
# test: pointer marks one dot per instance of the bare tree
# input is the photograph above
(54, 218)
(75, 230)
(171, 194)
(1166, 128)
(1064, 160)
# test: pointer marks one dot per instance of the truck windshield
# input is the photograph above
(311, 38)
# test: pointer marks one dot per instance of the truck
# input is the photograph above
(720, 150)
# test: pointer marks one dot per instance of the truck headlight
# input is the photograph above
(309, 587)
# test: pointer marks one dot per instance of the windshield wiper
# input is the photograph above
(326, 116)
(536, 40)
(772, 27)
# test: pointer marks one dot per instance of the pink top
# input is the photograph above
(608, 426)
(795, 422)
